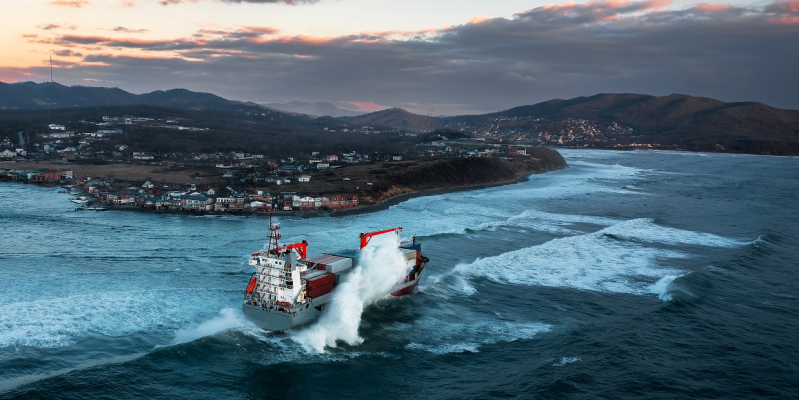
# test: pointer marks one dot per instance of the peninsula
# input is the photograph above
(356, 187)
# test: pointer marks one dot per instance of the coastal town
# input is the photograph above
(99, 194)
(104, 173)
(570, 132)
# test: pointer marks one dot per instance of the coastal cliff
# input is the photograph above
(454, 173)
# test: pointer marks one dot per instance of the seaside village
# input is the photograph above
(238, 169)
(90, 192)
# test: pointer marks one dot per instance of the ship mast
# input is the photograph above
(273, 236)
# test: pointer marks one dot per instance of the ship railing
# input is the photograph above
(284, 286)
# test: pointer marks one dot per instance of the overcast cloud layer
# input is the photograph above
(733, 53)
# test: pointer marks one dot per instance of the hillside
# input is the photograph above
(395, 118)
(316, 109)
(675, 121)
(30, 95)
(459, 172)
(674, 113)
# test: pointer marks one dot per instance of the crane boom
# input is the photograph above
(365, 237)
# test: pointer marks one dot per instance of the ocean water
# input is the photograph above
(628, 275)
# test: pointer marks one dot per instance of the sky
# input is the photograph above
(433, 57)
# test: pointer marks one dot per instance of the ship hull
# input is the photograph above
(274, 319)
(407, 287)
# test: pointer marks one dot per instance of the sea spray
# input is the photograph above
(381, 265)
(662, 288)
(226, 319)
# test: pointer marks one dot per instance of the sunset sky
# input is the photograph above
(432, 57)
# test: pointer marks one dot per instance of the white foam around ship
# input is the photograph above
(381, 266)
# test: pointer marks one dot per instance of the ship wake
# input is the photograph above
(381, 266)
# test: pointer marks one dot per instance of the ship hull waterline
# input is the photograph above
(280, 319)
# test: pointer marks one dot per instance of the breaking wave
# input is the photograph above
(228, 318)
(615, 259)
(381, 265)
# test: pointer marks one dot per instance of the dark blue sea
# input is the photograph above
(628, 275)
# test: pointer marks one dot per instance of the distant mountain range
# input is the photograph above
(316, 109)
(682, 121)
(396, 118)
(30, 95)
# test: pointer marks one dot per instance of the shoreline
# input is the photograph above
(440, 177)
(394, 200)
(380, 206)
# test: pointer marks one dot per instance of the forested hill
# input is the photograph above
(30, 95)
(463, 172)
(679, 121)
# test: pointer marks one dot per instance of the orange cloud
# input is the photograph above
(70, 3)
(562, 6)
(479, 19)
(785, 20)
(305, 39)
(648, 5)
(8, 74)
(609, 5)
(264, 30)
(617, 3)
(705, 7)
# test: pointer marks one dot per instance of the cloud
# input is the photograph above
(783, 12)
(289, 2)
(241, 33)
(67, 53)
(70, 3)
(128, 30)
(48, 27)
(558, 51)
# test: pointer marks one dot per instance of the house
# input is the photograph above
(142, 156)
(304, 178)
(230, 204)
(397, 157)
(120, 197)
(323, 166)
(8, 153)
(338, 202)
(332, 158)
(260, 206)
(197, 202)
(46, 176)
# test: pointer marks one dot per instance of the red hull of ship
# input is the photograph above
(405, 290)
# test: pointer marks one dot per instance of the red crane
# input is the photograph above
(365, 237)
(301, 247)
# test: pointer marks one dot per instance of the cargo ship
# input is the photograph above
(288, 289)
